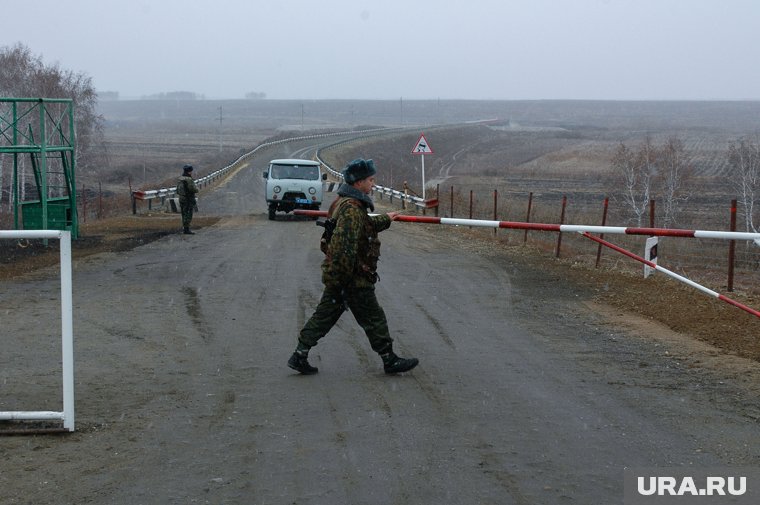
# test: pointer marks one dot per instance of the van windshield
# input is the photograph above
(309, 172)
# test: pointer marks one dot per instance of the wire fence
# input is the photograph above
(715, 262)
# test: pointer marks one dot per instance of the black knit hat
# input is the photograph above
(358, 169)
(187, 168)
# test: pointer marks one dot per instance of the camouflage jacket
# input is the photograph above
(186, 189)
(354, 249)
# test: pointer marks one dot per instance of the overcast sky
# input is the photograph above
(411, 49)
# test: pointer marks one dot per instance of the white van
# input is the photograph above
(293, 184)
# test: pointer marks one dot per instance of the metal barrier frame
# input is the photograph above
(41, 128)
(67, 330)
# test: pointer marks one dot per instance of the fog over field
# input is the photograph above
(141, 132)
(737, 117)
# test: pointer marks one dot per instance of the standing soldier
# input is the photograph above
(349, 273)
(186, 190)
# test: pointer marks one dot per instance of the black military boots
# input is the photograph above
(394, 364)
(300, 363)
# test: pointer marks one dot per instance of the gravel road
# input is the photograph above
(527, 392)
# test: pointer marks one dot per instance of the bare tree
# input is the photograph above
(648, 171)
(673, 174)
(744, 162)
(17, 66)
(23, 74)
(636, 170)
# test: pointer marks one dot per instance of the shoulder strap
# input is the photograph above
(339, 204)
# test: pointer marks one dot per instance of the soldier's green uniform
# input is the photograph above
(186, 191)
(349, 273)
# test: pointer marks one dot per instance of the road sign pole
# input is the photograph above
(422, 157)
(422, 147)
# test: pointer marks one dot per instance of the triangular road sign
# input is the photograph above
(422, 146)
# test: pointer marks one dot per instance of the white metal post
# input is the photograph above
(67, 332)
(423, 175)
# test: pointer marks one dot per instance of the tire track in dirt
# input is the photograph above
(440, 331)
(194, 310)
(492, 463)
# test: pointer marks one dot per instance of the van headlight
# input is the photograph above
(277, 189)
(312, 191)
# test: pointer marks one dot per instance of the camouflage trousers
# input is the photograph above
(186, 208)
(362, 303)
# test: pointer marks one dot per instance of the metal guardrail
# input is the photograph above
(164, 193)
(383, 190)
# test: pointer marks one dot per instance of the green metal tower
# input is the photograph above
(40, 134)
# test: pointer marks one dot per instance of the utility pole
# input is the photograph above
(220, 128)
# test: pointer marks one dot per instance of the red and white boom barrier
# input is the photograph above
(516, 225)
(586, 231)
(672, 274)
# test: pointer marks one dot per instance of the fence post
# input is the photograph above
(452, 202)
(527, 218)
(732, 248)
(561, 221)
(470, 208)
(495, 207)
(601, 236)
(134, 202)
(437, 197)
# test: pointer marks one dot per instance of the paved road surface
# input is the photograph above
(523, 396)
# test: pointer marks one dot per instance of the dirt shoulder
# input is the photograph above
(18, 257)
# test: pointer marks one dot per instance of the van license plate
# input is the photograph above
(303, 200)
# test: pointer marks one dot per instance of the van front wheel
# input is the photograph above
(272, 211)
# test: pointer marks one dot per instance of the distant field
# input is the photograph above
(598, 116)
(572, 135)
(554, 148)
